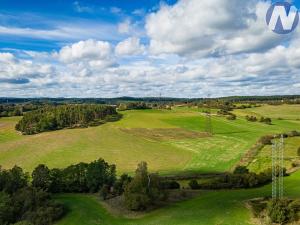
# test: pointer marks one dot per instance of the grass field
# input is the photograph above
(263, 160)
(170, 141)
(209, 208)
(290, 112)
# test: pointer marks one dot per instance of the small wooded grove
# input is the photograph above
(66, 116)
(29, 200)
(21, 203)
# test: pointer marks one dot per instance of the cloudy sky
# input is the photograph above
(177, 48)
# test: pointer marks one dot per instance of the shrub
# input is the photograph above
(251, 118)
(170, 185)
(266, 120)
(194, 184)
(294, 133)
(231, 117)
(241, 170)
(280, 212)
(120, 184)
(266, 140)
(104, 191)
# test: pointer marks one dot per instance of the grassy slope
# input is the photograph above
(263, 160)
(61, 148)
(210, 154)
(284, 111)
(210, 208)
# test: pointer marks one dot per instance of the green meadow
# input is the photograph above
(209, 208)
(171, 141)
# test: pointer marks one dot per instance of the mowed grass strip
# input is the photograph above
(165, 134)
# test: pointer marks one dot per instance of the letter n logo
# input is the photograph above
(282, 17)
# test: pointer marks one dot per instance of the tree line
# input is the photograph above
(7, 110)
(240, 178)
(28, 200)
(24, 200)
(66, 116)
(140, 192)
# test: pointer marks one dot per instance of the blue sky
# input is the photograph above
(50, 14)
(110, 48)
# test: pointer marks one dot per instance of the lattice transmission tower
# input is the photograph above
(208, 123)
(277, 168)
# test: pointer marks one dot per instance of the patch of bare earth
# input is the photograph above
(159, 134)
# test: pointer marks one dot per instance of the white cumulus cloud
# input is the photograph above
(130, 46)
(210, 27)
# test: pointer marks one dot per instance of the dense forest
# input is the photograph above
(66, 116)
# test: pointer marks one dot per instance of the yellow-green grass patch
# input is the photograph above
(291, 112)
(263, 160)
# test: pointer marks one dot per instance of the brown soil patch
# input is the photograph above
(166, 134)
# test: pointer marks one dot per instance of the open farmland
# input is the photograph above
(171, 141)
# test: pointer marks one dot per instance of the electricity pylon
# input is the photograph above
(277, 168)
(208, 123)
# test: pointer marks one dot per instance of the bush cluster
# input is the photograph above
(251, 118)
(266, 120)
(282, 211)
(241, 178)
